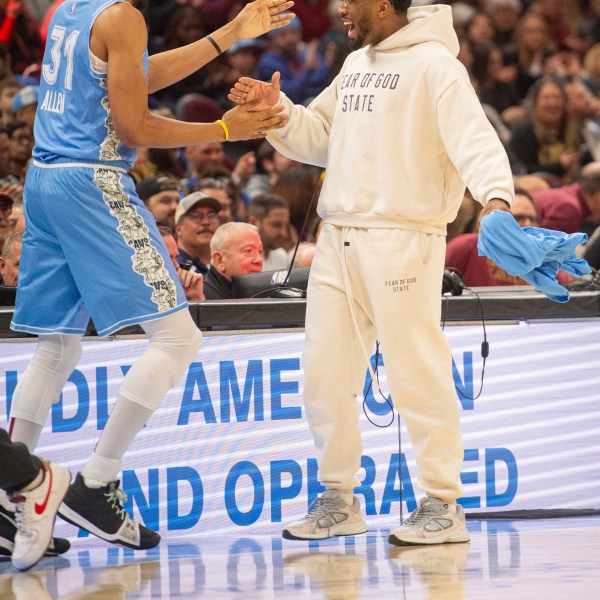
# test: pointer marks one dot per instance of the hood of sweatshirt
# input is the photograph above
(425, 24)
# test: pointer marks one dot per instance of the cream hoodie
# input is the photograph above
(400, 132)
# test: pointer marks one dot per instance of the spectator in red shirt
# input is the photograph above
(479, 271)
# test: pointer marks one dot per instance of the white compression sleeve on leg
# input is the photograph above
(40, 386)
(174, 342)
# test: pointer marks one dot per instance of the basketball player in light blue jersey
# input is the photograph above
(90, 246)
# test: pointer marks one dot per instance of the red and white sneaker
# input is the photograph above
(35, 511)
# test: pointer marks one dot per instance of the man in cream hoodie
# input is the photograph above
(400, 132)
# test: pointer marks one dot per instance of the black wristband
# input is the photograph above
(217, 48)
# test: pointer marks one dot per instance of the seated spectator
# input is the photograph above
(16, 219)
(531, 183)
(305, 254)
(592, 251)
(532, 40)
(487, 70)
(505, 17)
(480, 29)
(479, 271)
(589, 32)
(223, 192)
(200, 158)
(196, 220)
(572, 208)
(550, 141)
(20, 147)
(8, 89)
(236, 249)
(6, 204)
(303, 72)
(25, 104)
(161, 197)
(10, 259)
(192, 282)
(271, 214)
(299, 187)
(270, 165)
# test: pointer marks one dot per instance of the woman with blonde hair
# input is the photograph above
(549, 141)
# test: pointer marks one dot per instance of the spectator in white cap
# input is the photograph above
(25, 104)
(196, 220)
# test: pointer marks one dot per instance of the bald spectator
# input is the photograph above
(271, 214)
(25, 104)
(192, 282)
(572, 208)
(196, 220)
(236, 249)
(10, 259)
(161, 197)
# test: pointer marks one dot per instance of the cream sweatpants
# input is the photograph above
(380, 283)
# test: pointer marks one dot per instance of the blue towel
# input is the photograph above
(532, 253)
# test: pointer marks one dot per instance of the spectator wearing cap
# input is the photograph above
(236, 249)
(196, 220)
(20, 144)
(242, 57)
(161, 197)
(25, 104)
(304, 74)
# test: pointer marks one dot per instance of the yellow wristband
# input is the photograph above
(222, 124)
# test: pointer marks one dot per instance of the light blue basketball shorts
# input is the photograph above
(90, 247)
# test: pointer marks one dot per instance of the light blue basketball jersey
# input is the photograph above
(73, 119)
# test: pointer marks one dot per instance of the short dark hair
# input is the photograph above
(262, 204)
(16, 125)
(401, 6)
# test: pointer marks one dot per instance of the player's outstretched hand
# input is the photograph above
(249, 122)
(248, 90)
(261, 16)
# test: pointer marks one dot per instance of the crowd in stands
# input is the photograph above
(534, 65)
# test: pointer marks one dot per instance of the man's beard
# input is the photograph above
(140, 4)
(362, 30)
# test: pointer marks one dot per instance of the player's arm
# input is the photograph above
(256, 18)
(119, 36)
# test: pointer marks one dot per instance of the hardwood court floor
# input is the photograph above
(513, 560)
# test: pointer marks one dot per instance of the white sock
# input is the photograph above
(26, 432)
(126, 419)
